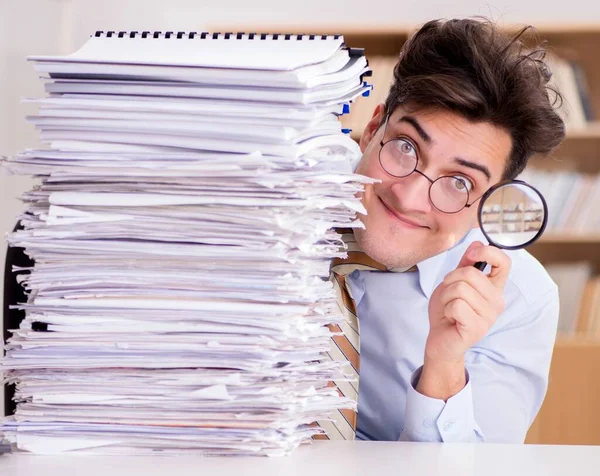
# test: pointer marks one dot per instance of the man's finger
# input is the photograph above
(499, 261)
(475, 278)
(465, 291)
(466, 260)
(466, 320)
(462, 314)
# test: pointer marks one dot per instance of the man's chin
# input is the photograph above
(382, 250)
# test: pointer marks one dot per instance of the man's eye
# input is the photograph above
(462, 183)
(405, 147)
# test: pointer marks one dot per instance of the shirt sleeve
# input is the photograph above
(507, 379)
(430, 419)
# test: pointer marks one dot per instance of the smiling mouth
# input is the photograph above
(401, 218)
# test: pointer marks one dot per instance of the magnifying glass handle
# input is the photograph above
(480, 265)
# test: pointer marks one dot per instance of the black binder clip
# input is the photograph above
(356, 52)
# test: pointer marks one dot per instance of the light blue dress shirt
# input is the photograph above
(507, 371)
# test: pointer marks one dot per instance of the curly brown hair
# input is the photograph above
(469, 66)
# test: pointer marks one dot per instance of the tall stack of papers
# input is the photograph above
(182, 235)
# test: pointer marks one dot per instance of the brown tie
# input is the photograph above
(346, 347)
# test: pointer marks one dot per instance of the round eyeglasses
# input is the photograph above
(398, 158)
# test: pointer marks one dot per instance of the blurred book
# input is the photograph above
(571, 279)
(570, 81)
(571, 198)
(579, 293)
(589, 312)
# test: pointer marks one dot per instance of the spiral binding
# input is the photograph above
(205, 35)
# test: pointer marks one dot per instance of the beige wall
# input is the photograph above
(89, 15)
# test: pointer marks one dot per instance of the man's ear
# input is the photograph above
(371, 127)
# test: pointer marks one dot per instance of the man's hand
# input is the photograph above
(462, 309)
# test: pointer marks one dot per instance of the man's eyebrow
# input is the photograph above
(413, 122)
(427, 139)
(482, 168)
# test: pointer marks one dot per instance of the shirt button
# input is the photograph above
(427, 423)
(448, 425)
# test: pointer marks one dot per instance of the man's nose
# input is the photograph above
(413, 192)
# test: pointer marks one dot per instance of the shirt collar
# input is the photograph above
(429, 272)
(432, 271)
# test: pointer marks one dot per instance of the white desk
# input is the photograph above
(332, 459)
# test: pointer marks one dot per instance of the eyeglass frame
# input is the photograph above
(431, 182)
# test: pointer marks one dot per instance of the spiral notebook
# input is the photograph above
(285, 61)
(248, 70)
(247, 51)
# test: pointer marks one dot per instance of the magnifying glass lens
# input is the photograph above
(512, 215)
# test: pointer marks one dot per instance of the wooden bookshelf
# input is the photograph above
(592, 131)
(571, 238)
(570, 412)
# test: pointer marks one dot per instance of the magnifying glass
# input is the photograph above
(512, 215)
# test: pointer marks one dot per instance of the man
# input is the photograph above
(449, 353)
